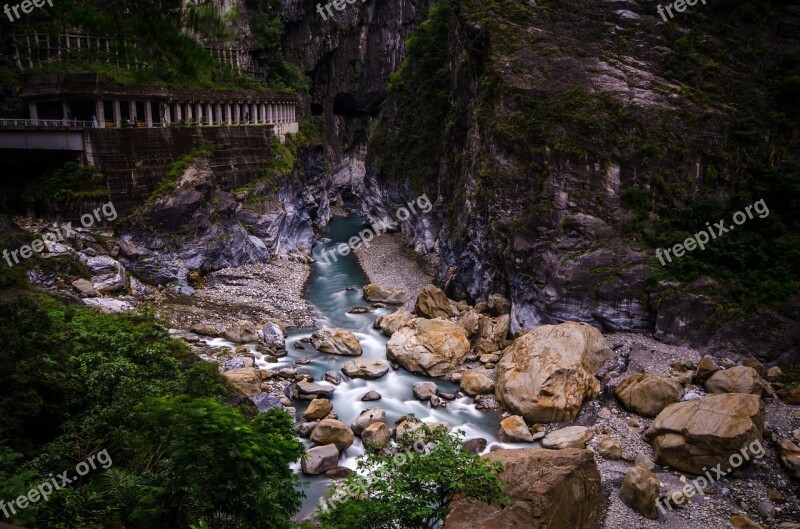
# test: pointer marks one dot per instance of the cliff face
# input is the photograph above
(567, 141)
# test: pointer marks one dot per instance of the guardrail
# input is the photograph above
(47, 123)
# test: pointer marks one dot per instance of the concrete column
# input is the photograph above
(199, 113)
(33, 111)
(132, 111)
(229, 113)
(178, 112)
(117, 114)
(166, 110)
(262, 112)
(64, 109)
(220, 117)
(100, 113)
(189, 116)
(236, 113)
(209, 115)
(148, 114)
(253, 113)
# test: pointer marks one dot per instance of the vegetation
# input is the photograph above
(414, 491)
(184, 454)
(170, 182)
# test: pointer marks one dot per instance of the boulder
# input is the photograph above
(640, 491)
(84, 287)
(432, 303)
(429, 347)
(310, 390)
(331, 431)
(789, 455)
(367, 417)
(204, 329)
(424, 390)
(384, 294)
(413, 429)
(242, 331)
(371, 396)
(546, 373)
(647, 395)
(108, 275)
(498, 305)
(368, 369)
(318, 409)
(609, 448)
(570, 437)
(246, 379)
(549, 490)
(738, 379)
(514, 430)
(320, 459)
(743, 522)
(272, 335)
(475, 446)
(791, 396)
(390, 323)
(476, 382)
(265, 401)
(470, 321)
(491, 333)
(705, 369)
(336, 341)
(697, 434)
(376, 434)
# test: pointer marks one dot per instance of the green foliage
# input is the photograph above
(70, 181)
(415, 493)
(76, 381)
(170, 182)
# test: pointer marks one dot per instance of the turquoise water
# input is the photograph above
(327, 292)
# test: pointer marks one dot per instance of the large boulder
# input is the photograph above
(241, 331)
(514, 430)
(320, 459)
(336, 341)
(738, 379)
(273, 335)
(491, 333)
(697, 434)
(789, 454)
(476, 382)
(245, 379)
(549, 489)
(546, 373)
(414, 429)
(376, 434)
(428, 347)
(108, 275)
(367, 418)
(498, 305)
(569, 437)
(640, 490)
(368, 369)
(318, 409)
(390, 323)
(432, 303)
(384, 294)
(331, 431)
(470, 321)
(424, 390)
(647, 395)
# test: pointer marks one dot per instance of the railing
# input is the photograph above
(46, 123)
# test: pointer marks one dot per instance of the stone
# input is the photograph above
(424, 390)
(705, 369)
(204, 329)
(336, 341)
(333, 377)
(84, 287)
(643, 460)
(491, 334)
(549, 490)
(569, 437)
(242, 331)
(273, 336)
(385, 294)
(546, 373)
(246, 379)
(367, 417)
(476, 382)
(470, 321)
(304, 429)
(514, 430)
(371, 396)
(755, 364)
(318, 409)
(498, 305)
(331, 431)
(738, 379)
(313, 390)
(640, 490)
(743, 522)
(265, 401)
(429, 347)
(774, 495)
(320, 459)
(789, 455)
(376, 434)
(475, 446)
(413, 429)
(338, 473)
(432, 303)
(647, 394)
(774, 374)
(609, 448)
(792, 396)
(367, 369)
(390, 323)
(767, 510)
(358, 310)
(697, 434)
(108, 275)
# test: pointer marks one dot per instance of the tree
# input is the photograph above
(411, 487)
